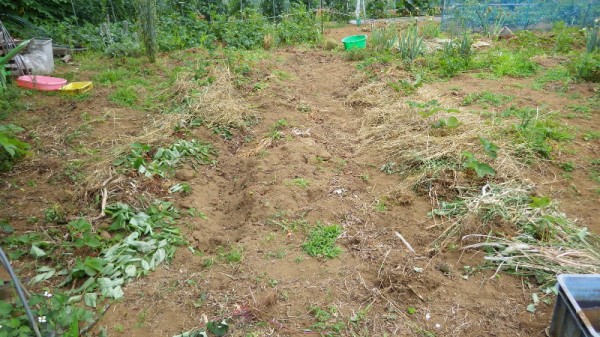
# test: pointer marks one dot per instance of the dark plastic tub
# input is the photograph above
(577, 309)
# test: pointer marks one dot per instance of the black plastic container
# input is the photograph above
(577, 309)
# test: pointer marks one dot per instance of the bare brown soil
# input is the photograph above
(272, 291)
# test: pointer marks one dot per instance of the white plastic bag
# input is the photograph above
(39, 59)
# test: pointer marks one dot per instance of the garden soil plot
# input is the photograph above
(274, 181)
(256, 205)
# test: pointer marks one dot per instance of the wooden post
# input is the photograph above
(321, 12)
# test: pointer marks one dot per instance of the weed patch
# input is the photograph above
(487, 98)
(11, 148)
(126, 96)
(535, 131)
(506, 63)
(559, 77)
(321, 241)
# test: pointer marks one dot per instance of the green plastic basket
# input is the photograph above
(355, 42)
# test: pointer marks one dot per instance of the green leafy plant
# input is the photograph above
(586, 67)
(431, 30)
(380, 205)
(165, 160)
(126, 96)
(326, 323)
(355, 55)
(82, 234)
(148, 239)
(10, 100)
(233, 256)
(275, 130)
(11, 149)
(591, 135)
(184, 188)
(455, 56)
(481, 169)
(568, 166)
(563, 41)
(321, 241)
(430, 108)
(298, 27)
(56, 316)
(54, 214)
(507, 63)
(450, 122)
(389, 168)
(490, 148)
(407, 87)
(534, 132)
(300, 182)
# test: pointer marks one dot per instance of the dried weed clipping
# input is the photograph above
(215, 103)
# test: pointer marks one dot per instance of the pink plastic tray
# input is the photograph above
(43, 83)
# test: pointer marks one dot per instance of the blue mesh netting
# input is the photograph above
(483, 15)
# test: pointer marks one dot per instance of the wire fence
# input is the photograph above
(517, 14)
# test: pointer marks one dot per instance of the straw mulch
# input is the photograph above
(217, 103)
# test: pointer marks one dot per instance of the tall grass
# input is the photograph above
(592, 38)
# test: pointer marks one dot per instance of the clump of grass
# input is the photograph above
(355, 55)
(126, 96)
(233, 256)
(559, 75)
(268, 41)
(431, 30)
(592, 37)
(300, 182)
(111, 76)
(486, 97)
(321, 241)
(586, 67)
(329, 43)
(535, 131)
(455, 56)
(506, 63)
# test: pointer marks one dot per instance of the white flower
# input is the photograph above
(47, 294)
(42, 319)
(427, 316)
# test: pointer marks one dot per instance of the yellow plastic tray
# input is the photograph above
(77, 88)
